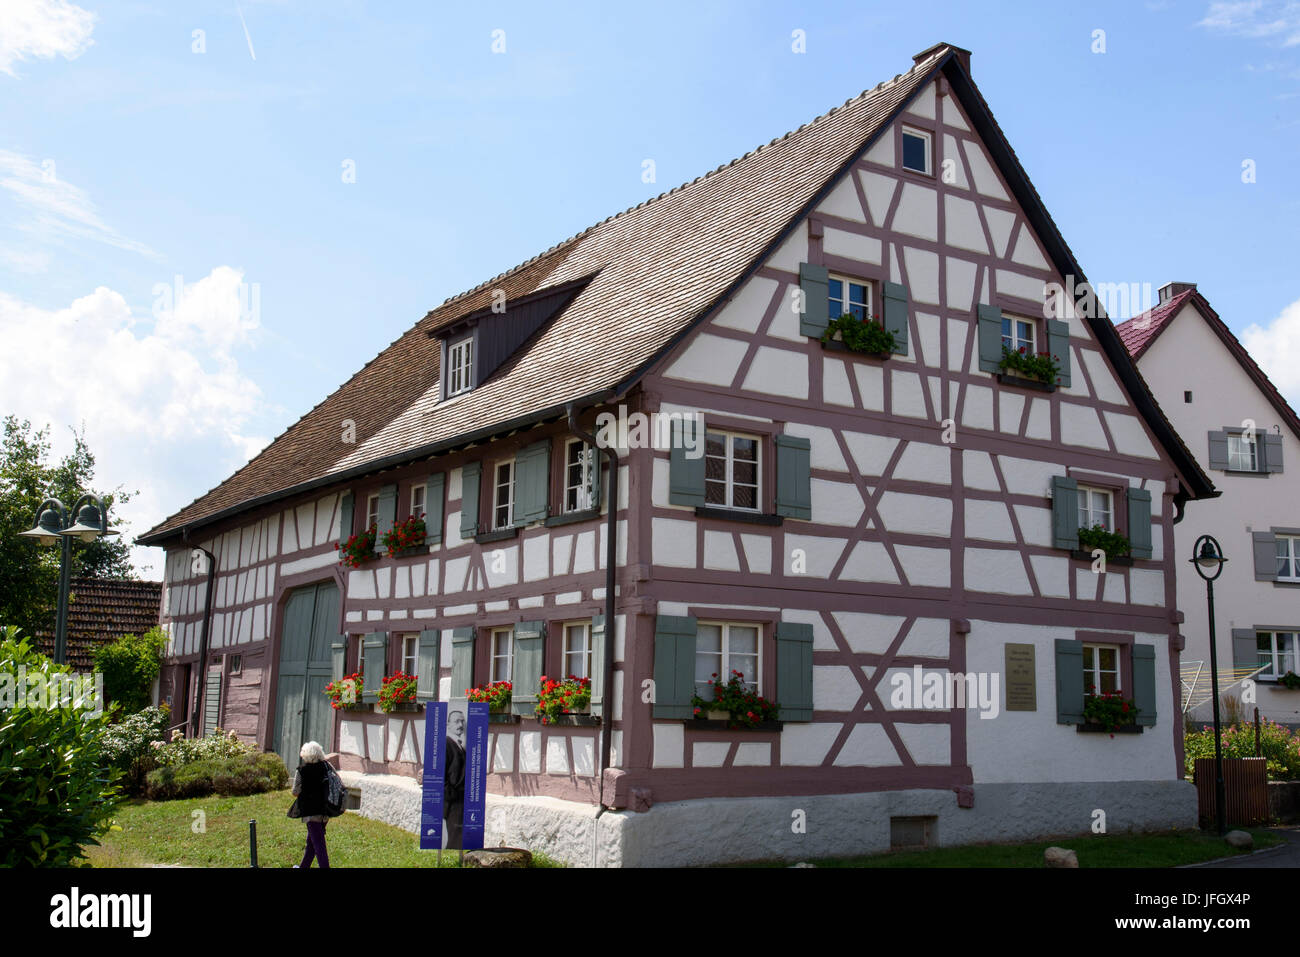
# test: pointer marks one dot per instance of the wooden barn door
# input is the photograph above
(302, 712)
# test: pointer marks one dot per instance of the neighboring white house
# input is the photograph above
(1245, 434)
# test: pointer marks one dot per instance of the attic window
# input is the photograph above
(460, 365)
(916, 151)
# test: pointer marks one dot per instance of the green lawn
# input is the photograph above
(1094, 850)
(162, 832)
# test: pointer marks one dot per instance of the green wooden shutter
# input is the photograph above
(686, 474)
(387, 514)
(597, 664)
(338, 658)
(593, 474)
(1058, 344)
(1069, 681)
(1144, 684)
(1065, 512)
(211, 701)
(532, 482)
(793, 476)
(1264, 547)
(469, 498)
(990, 337)
(434, 490)
(674, 668)
(794, 670)
(375, 650)
(1219, 450)
(814, 281)
(347, 516)
(462, 661)
(895, 314)
(1139, 522)
(1271, 446)
(426, 676)
(529, 655)
(1245, 649)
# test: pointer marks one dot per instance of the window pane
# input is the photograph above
(1109, 682)
(708, 656)
(1026, 333)
(1107, 659)
(744, 641)
(1087, 658)
(914, 152)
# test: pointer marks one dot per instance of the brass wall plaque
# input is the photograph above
(1020, 678)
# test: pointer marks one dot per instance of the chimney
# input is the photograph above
(963, 56)
(1171, 289)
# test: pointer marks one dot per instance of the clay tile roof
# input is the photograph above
(100, 611)
(702, 236)
(1139, 332)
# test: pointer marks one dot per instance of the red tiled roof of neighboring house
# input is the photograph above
(101, 610)
(1140, 331)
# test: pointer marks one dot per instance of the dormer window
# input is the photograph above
(460, 365)
(916, 151)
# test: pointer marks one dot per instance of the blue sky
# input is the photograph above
(128, 159)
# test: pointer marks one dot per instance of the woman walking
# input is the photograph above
(318, 790)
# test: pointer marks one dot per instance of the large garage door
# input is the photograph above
(302, 712)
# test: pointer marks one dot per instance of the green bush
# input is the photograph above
(216, 746)
(132, 744)
(130, 666)
(241, 774)
(1279, 746)
(57, 787)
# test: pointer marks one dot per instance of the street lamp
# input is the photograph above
(1208, 560)
(52, 527)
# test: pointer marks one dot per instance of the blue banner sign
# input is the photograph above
(476, 736)
(433, 783)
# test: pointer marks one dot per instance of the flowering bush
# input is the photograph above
(407, 534)
(1042, 366)
(744, 705)
(1110, 709)
(860, 334)
(567, 696)
(396, 689)
(497, 695)
(358, 549)
(132, 744)
(1112, 543)
(344, 692)
(219, 745)
(1277, 745)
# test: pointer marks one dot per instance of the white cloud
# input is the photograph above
(165, 407)
(1276, 347)
(1256, 19)
(42, 29)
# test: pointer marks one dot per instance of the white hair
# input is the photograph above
(311, 753)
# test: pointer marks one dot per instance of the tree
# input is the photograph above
(130, 665)
(29, 573)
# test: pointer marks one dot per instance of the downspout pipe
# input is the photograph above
(201, 679)
(611, 623)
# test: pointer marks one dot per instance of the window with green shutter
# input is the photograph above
(375, 649)
(387, 513)
(532, 483)
(686, 462)
(794, 670)
(674, 666)
(989, 329)
(597, 675)
(426, 675)
(1065, 512)
(462, 661)
(1264, 552)
(1144, 684)
(434, 495)
(529, 656)
(813, 283)
(793, 476)
(1069, 681)
(895, 314)
(338, 658)
(1139, 522)
(347, 511)
(469, 498)
(1058, 347)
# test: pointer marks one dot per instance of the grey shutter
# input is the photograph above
(1219, 450)
(1058, 345)
(462, 661)
(434, 490)
(593, 474)
(1264, 545)
(375, 650)
(532, 482)
(1271, 446)
(211, 702)
(1065, 512)
(1144, 684)
(794, 670)
(387, 514)
(426, 672)
(990, 337)
(529, 651)
(597, 664)
(1069, 681)
(469, 499)
(686, 474)
(674, 666)
(1245, 649)
(347, 516)
(814, 281)
(1139, 522)
(338, 658)
(895, 314)
(793, 476)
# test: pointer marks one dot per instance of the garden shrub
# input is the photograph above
(1278, 745)
(132, 745)
(241, 774)
(130, 666)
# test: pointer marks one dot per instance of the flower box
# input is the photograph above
(865, 336)
(836, 345)
(727, 724)
(1086, 556)
(358, 549)
(502, 717)
(1014, 380)
(405, 535)
(568, 697)
(715, 715)
(1092, 727)
(413, 550)
(734, 704)
(577, 720)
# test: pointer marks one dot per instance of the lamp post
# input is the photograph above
(90, 521)
(1208, 560)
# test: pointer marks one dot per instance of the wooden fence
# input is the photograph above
(1245, 787)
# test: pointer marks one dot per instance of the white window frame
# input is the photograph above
(1014, 341)
(509, 486)
(847, 289)
(1276, 656)
(583, 630)
(1292, 555)
(418, 504)
(928, 137)
(729, 480)
(460, 365)
(1089, 512)
(502, 636)
(1097, 671)
(582, 490)
(361, 654)
(410, 653)
(1246, 445)
(724, 668)
(372, 511)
